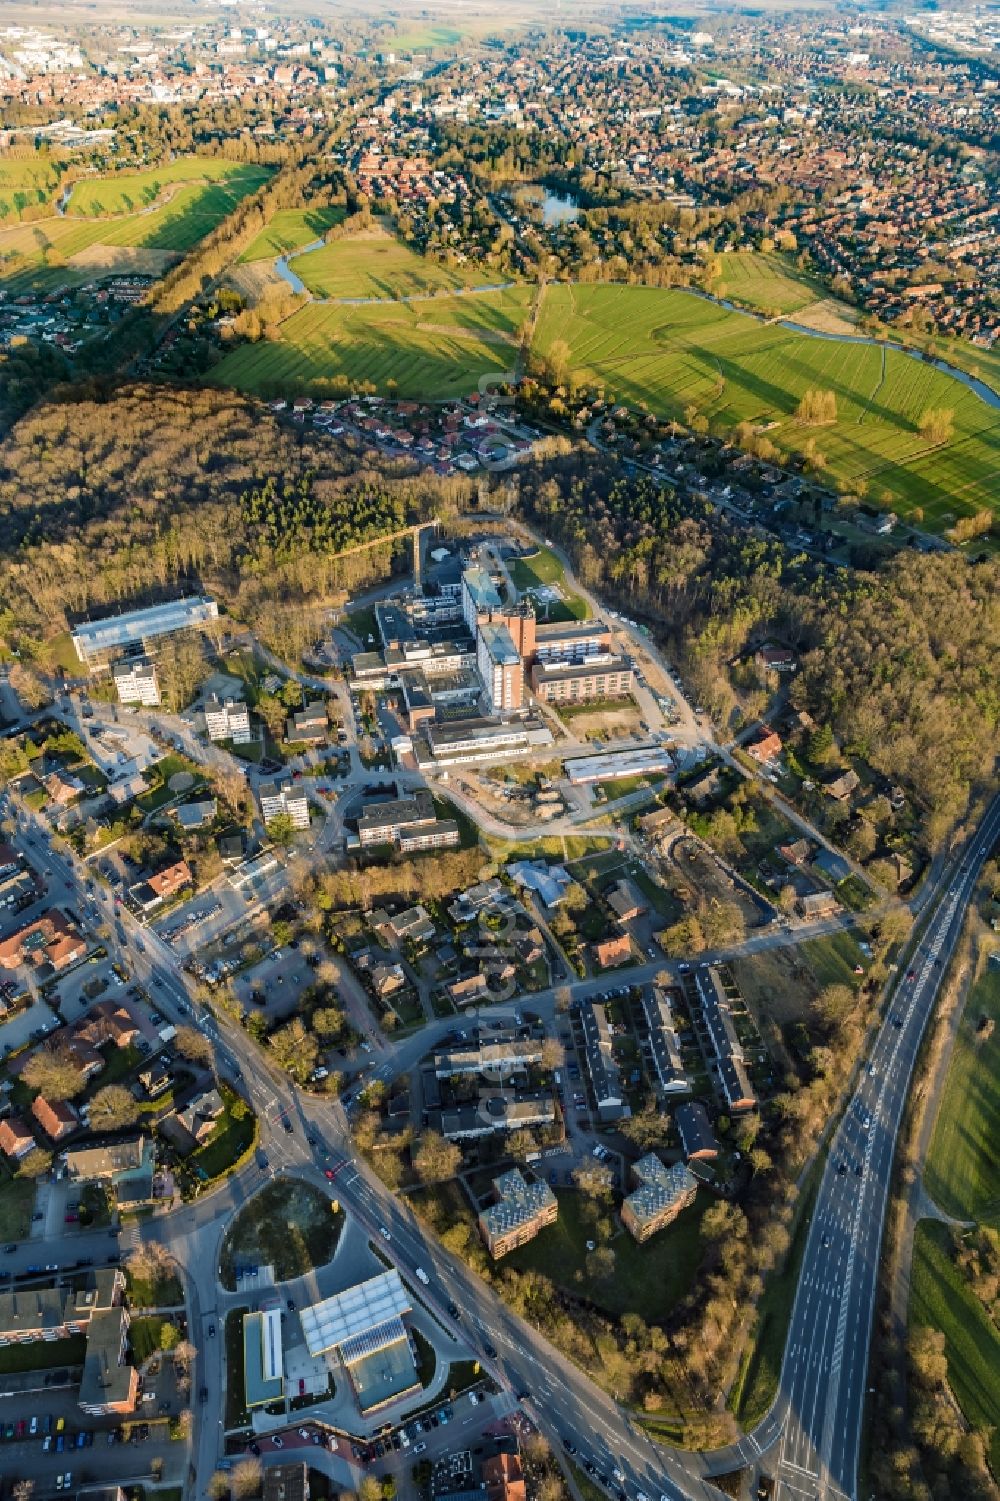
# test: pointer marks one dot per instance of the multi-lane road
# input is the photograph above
(812, 1434)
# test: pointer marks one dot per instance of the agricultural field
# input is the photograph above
(31, 253)
(26, 183)
(770, 282)
(291, 229)
(435, 350)
(378, 266)
(672, 351)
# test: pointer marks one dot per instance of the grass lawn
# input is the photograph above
(426, 349)
(289, 1226)
(940, 1300)
(167, 767)
(757, 1382)
(17, 1203)
(233, 1135)
(648, 1280)
(962, 1174)
(291, 229)
(43, 1355)
(125, 192)
(671, 350)
(767, 281)
(542, 569)
(144, 1337)
(782, 983)
(378, 265)
(160, 1292)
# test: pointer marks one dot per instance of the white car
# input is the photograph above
(384, 1233)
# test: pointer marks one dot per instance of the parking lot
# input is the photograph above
(274, 985)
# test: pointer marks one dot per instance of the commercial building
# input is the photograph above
(136, 682)
(500, 668)
(127, 1167)
(284, 797)
(364, 1327)
(664, 1049)
(263, 1378)
(661, 1194)
(726, 1048)
(227, 719)
(577, 682)
(408, 821)
(520, 1211)
(598, 1052)
(99, 640)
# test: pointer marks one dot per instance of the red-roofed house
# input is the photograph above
(57, 1119)
(49, 939)
(16, 1139)
(766, 748)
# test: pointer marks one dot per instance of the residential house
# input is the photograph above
(817, 904)
(767, 747)
(308, 726)
(626, 902)
(197, 814)
(16, 1140)
(161, 886)
(842, 786)
(412, 926)
(796, 852)
(57, 1118)
(471, 988)
(108, 1022)
(48, 940)
(199, 1116)
(612, 952)
(698, 1140)
(63, 788)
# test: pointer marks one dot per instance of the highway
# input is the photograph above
(812, 1434)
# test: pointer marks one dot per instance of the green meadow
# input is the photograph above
(291, 229)
(381, 267)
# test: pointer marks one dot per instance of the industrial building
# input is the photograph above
(263, 1369)
(612, 765)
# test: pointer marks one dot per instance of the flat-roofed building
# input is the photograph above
(661, 1194)
(283, 796)
(469, 741)
(263, 1366)
(599, 676)
(227, 719)
(610, 765)
(571, 641)
(136, 682)
(480, 596)
(98, 640)
(500, 668)
(408, 821)
(110, 1383)
(364, 1326)
(520, 1211)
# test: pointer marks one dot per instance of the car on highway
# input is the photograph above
(384, 1233)
(211, 1331)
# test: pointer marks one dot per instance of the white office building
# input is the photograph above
(135, 680)
(228, 719)
(98, 640)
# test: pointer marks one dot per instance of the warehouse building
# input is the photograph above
(363, 1327)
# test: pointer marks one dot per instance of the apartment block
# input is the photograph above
(520, 1211)
(661, 1194)
(410, 822)
(284, 797)
(500, 668)
(599, 1057)
(603, 676)
(136, 682)
(724, 1041)
(227, 719)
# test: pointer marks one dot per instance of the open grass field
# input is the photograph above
(962, 1173)
(30, 252)
(770, 282)
(377, 265)
(671, 350)
(120, 193)
(27, 183)
(539, 571)
(940, 1300)
(431, 351)
(291, 229)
